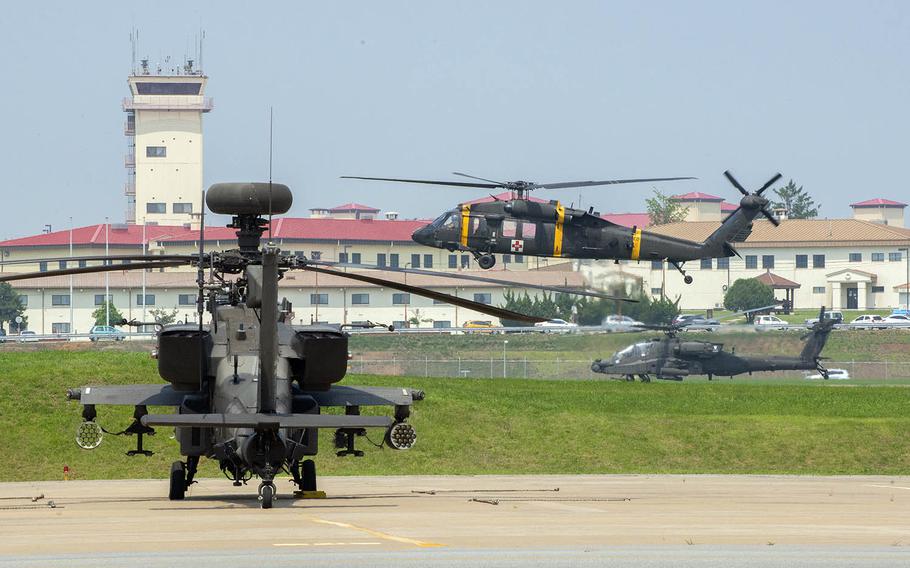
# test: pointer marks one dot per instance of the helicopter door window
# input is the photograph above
(477, 225)
(451, 221)
(528, 230)
(509, 229)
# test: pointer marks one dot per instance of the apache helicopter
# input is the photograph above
(672, 358)
(248, 387)
(522, 226)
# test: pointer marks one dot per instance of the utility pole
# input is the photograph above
(107, 277)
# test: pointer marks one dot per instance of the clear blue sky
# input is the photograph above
(546, 91)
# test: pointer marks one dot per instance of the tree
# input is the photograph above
(417, 318)
(161, 316)
(748, 294)
(795, 200)
(100, 314)
(663, 209)
(11, 305)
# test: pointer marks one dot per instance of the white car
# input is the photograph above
(27, 335)
(867, 322)
(770, 322)
(556, 326)
(620, 323)
(834, 374)
(897, 320)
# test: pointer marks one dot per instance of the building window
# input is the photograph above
(355, 258)
(415, 261)
(316, 255)
(60, 327)
(360, 299)
(319, 299)
(399, 324)
(723, 263)
(483, 298)
(156, 152)
(343, 257)
(856, 257)
(507, 259)
(99, 299)
(442, 324)
(60, 300)
(818, 261)
(706, 264)
(878, 289)
(751, 261)
(61, 264)
(393, 260)
(186, 299)
(818, 289)
(656, 291)
(466, 261)
(42, 266)
(380, 259)
(400, 299)
(878, 257)
(182, 208)
(657, 265)
(428, 261)
(894, 257)
(519, 259)
(149, 300)
(156, 207)
(802, 261)
(453, 261)
(83, 263)
(767, 261)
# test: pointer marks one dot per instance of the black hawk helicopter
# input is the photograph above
(523, 226)
(248, 387)
(672, 358)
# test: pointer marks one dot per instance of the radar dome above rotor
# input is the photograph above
(249, 198)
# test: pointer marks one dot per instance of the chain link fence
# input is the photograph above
(578, 369)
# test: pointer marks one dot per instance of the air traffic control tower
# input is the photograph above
(164, 128)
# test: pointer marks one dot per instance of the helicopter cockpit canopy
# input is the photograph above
(632, 352)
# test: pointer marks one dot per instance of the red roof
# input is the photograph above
(640, 220)
(117, 235)
(726, 207)
(775, 281)
(324, 229)
(504, 196)
(878, 202)
(353, 207)
(697, 196)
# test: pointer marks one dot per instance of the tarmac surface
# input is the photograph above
(591, 520)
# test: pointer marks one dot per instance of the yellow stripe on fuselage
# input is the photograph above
(465, 224)
(557, 238)
(636, 244)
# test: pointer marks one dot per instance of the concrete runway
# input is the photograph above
(624, 520)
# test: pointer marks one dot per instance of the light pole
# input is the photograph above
(906, 251)
(107, 278)
(504, 343)
(408, 296)
(71, 277)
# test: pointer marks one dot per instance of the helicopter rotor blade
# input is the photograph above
(416, 290)
(770, 216)
(567, 184)
(735, 183)
(431, 182)
(557, 289)
(500, 183)
(91, 269)
(101, 258)
(768, 184)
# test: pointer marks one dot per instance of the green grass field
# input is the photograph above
(477, 426)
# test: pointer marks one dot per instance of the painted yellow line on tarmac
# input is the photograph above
(290, 544)
(378, 534)
(888, 486)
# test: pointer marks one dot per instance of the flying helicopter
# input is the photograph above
(672, 358)
(249, 388)
(522, 226)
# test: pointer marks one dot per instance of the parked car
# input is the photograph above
(836, 374)
(106, 332)
(27, 335)
(868, 321)
(2, 335)
(481, 326)
(770, 322)
(696, 321)
(897, 319)
(617, 323)
(556, 326)
(838, 317)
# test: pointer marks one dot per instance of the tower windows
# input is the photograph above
(183, 207)
(156, 207)
(156, 152)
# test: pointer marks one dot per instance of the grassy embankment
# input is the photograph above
(476, 426)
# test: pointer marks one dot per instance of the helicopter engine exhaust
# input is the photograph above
(401, 436)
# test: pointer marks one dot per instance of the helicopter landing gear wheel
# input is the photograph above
(687, 279)
(308, 476)
(644, 378)
(178, 481)
(266, 494)
(486, 261)
(679, 266)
